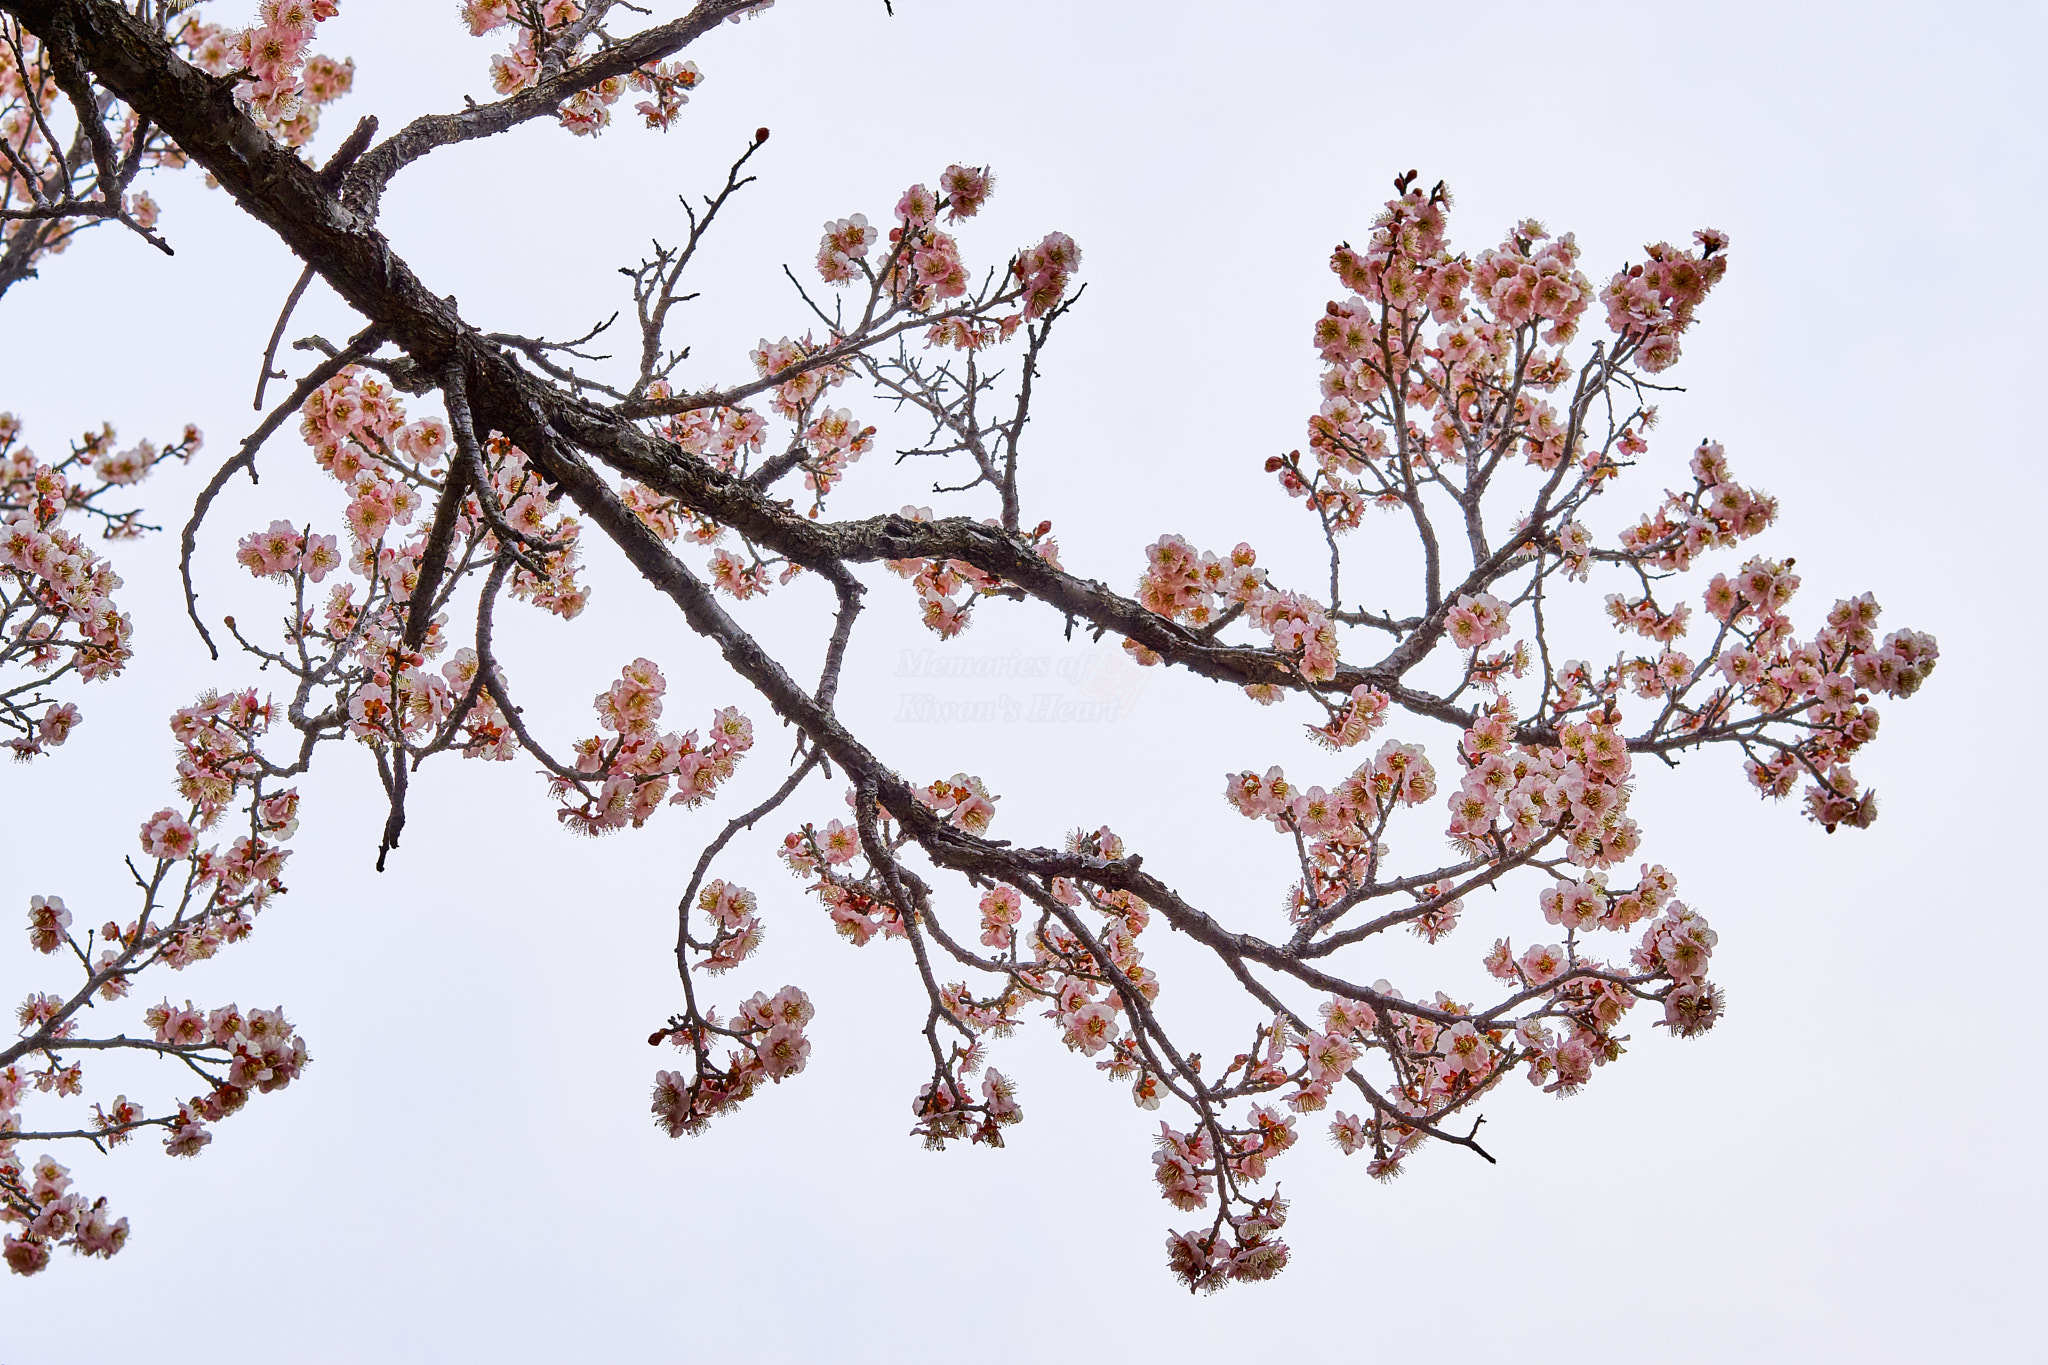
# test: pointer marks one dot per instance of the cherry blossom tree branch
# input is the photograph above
(1440, 375)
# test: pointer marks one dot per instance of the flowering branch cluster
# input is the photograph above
(68, 164)
(195, 900)
(550, 37)
(57, 613)
(1453, 403)
(277, 78)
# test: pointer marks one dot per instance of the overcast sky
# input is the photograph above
(1847, 1168)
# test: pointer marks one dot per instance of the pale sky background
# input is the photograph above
(1848, 1168)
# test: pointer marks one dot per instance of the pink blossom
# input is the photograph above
(166, 835)
(1543, 963)
(784, 1051)
(48, 923)
(57, 723)
(1329, 1056)
(1091, 1028)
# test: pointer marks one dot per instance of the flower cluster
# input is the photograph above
(767, 1042)
(923, 269)
(923, 266)
(283, 549)
(1587, 997)
(1716, 513)
(61, 1217)
(217, 754)
(1300, 628)
(1044, 272)
(1089, 977)
(1476, 620)
(947, 589)
(962, 800)
(1341, 830)
(667, 83)
(1183, 584)
(624, 773)
(264, 1054)
(806, 380)
(1827, 682)
(1002, 909)
(355, 426)
(1492, 317)
(725, 436)
(282, 82)
(859, 904)
(1355, 721)
(1651, 305)
(1208, 1260)
(843, 250)
(857, 914)
(1516, 796)
(832, 441)
(357, 429)
(1208, 591)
